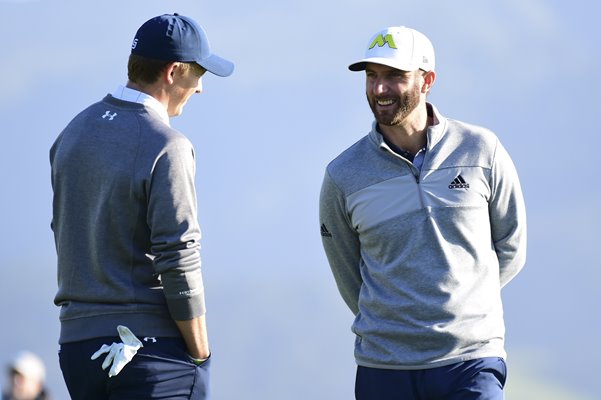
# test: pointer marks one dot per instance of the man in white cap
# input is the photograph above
(125, 225)
(423, 222)
(27, 376)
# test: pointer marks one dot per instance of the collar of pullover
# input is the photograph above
(434, 132)
(127, 94)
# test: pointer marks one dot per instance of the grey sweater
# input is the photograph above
(125, 224)
(420, 256)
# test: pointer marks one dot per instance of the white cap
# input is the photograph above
(398, 47)
(29, 365)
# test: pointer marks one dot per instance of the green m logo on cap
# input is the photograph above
(382, 40)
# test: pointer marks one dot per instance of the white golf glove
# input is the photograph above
(119, 354)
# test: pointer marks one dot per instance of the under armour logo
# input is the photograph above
(108, 115)
(134, 43)
(149, 338)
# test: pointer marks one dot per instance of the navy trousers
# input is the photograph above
(479, 379)
(162, 369)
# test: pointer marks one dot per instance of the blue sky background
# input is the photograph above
(526, 69)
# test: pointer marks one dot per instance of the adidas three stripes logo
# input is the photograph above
(459, 183)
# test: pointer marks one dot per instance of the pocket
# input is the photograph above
(201, 388)
(496, 367)
(502, 371)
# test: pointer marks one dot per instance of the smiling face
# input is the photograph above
(392, 94)
(187, 80)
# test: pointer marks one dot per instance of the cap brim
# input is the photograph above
(217, 65)
(360, 65)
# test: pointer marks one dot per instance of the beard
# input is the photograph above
(403, 106)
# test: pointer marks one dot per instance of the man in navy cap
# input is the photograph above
(130, 287)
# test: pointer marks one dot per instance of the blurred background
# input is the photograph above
(278, 328)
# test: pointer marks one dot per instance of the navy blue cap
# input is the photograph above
(178, 38)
